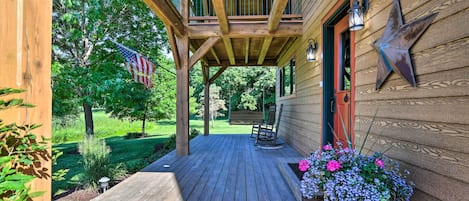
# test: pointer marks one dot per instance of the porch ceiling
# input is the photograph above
(247, 40)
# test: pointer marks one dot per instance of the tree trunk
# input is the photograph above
(143, 122)
(89, 126)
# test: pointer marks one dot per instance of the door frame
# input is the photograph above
(339, 10)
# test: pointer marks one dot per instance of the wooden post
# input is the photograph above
(207, 103)
(25, 61)
(182, 89)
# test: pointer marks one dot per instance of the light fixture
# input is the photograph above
(104, 181)
(356, 15)
(311, 51)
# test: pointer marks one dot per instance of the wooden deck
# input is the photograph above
(220, 167)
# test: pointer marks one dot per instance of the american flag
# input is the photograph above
(138, 66)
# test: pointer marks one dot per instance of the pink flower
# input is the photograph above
(327, 147)
(379, 163)
(303, 166)
(333, 165)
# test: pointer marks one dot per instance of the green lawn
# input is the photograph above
(132, 154)
(107, 127)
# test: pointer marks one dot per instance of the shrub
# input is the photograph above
(96, 161)
(20, 151)
(194, 133)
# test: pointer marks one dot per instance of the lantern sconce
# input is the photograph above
(356, 15)
(311, 51)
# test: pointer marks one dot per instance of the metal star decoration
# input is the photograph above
(393, 47)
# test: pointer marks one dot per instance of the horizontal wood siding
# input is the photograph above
(426, 128)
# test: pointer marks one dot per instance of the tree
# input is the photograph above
(125, 99)
(216, 104)
(82, 33)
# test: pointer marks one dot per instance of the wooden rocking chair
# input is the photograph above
(269, 136)
(268, 125)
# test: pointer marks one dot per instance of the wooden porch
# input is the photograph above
(220, 167)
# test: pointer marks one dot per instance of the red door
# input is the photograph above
(342, 82)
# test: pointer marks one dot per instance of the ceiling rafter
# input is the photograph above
(203, 49)
(166, 11)
(276, 14)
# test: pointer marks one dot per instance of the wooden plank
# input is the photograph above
(265, 48)
(25, 63)
(246, 51)
(206, 107)
(241, 63)
(246, 30)
(245, 17)
(219, 6)
(215, 55)
(166, 11)
(182, 99)
(174, 47)
(276, 14)
(455, 136)
(229, 49)
(217, 74)
(203, 49)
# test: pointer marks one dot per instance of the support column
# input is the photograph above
(25, 63)
(207, 104)
(182, 88)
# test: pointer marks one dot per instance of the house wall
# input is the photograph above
(25, 59)
(425, 128)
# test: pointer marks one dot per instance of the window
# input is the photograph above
(287, 79)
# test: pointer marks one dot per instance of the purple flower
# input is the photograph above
(327, 147)
(333, 165)
(379, 163)
(303, 166)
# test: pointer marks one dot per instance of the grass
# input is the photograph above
(107, 127)
(131, 154)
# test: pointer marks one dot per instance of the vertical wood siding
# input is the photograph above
(427, 127)
(25, 59)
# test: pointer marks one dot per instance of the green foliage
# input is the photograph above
(241, 88)
(95, 156)
(20, 150)
(87, 66)
(59, 174)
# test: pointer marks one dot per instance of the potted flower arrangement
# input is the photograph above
(345, 174)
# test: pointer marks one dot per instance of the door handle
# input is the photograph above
(346, 98)
(332, 104)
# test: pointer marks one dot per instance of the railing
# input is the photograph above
(242, 7)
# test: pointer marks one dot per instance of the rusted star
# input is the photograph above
(393, 47)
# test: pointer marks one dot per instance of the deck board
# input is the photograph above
(220, 167)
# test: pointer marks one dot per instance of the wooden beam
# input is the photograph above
(288, 50)
(264, 50)
(25, 63)
(241, 62)
(246, 17)
(219, 72)
(205, 73)
(229, 49)
(203, 49)
(167, 13)
(246, 30)
(206, 102)
(246, 51)
(219, 6)
(276, 14)
(174, 47)
(215, 56)
(182, 99)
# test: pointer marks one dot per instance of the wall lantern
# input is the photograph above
(311, 51)
(356, 15)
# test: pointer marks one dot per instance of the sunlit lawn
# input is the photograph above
(132, 153)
